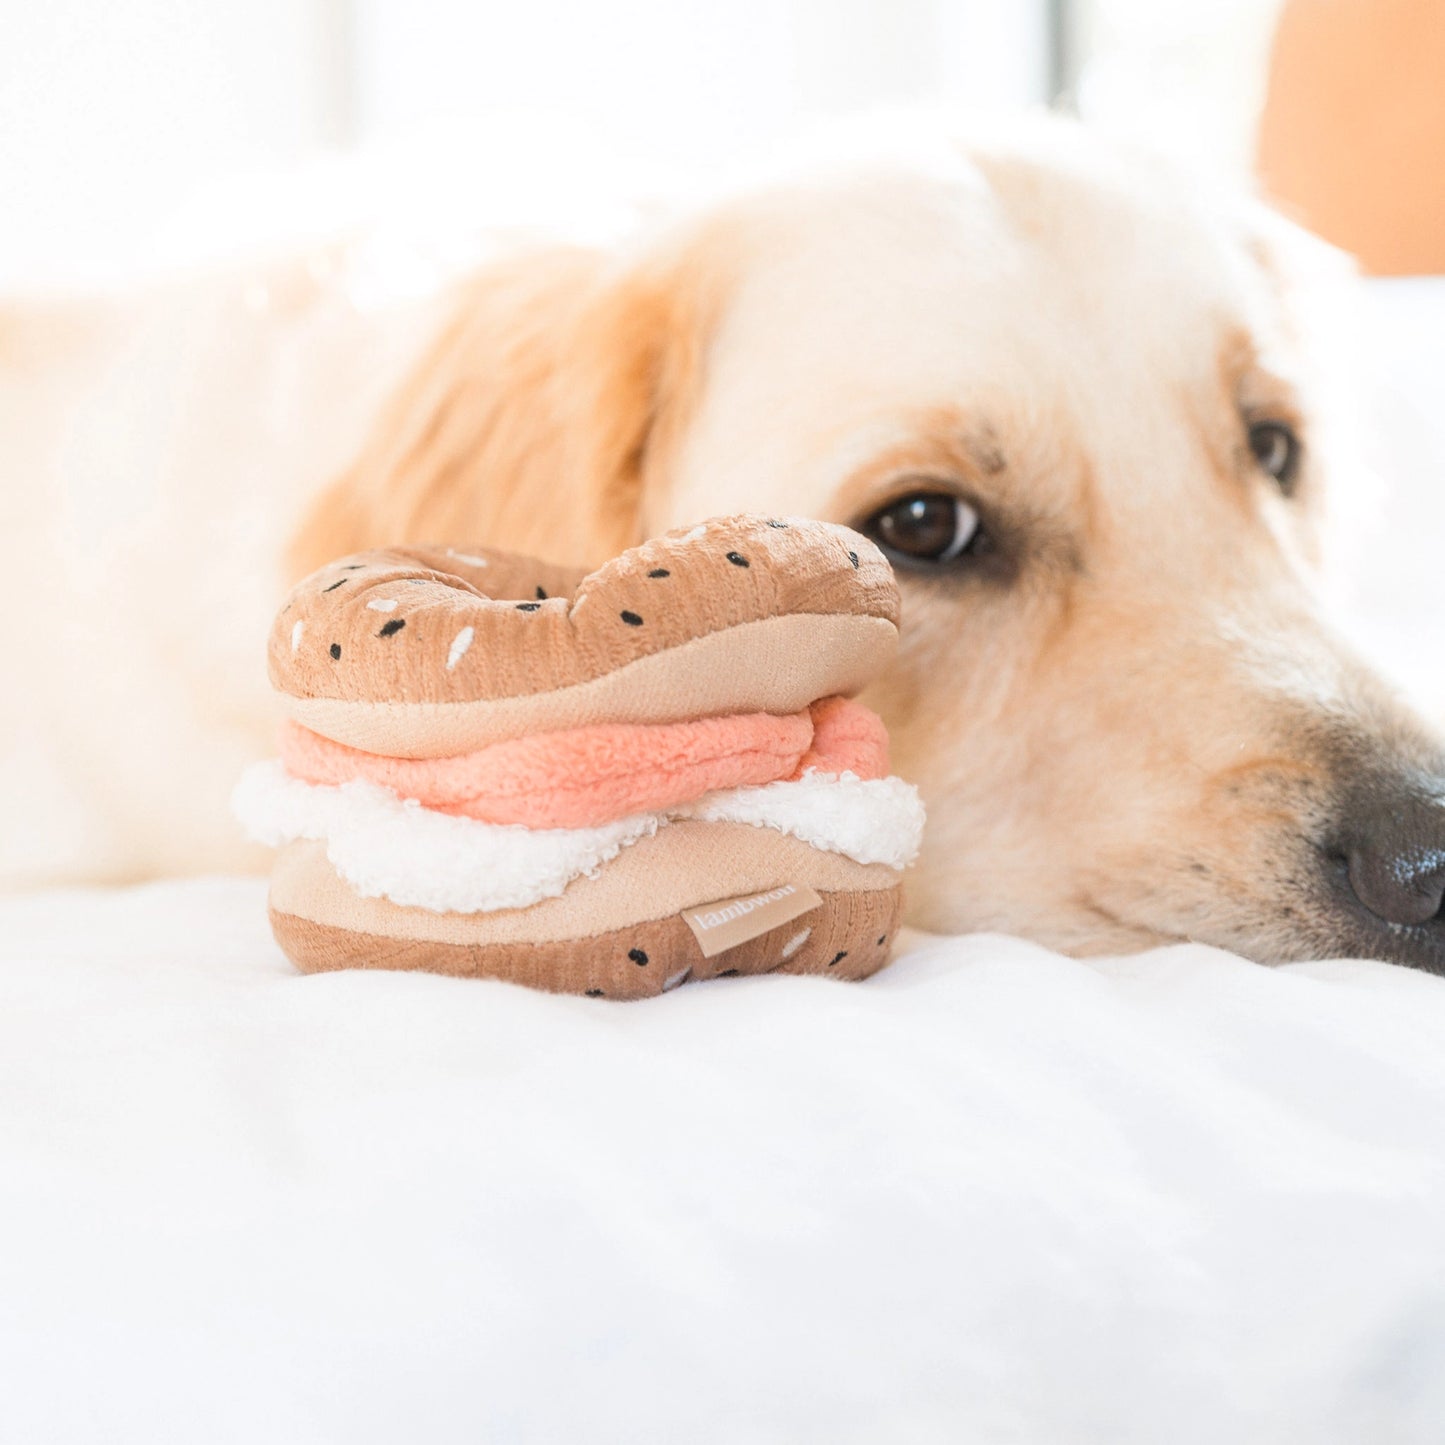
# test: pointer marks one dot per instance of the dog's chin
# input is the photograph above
(1338, 936)
(1304, 924)
(1311, 918)
(1345, 929)
(1269, 941)
(1076, 925)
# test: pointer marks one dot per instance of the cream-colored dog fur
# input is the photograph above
(1124, 725)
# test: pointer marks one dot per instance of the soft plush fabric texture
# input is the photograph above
(637, 941)
(586, 777)
(387, 848)
(468, 624)
(465, 742)
(777, 665)
(686, 865)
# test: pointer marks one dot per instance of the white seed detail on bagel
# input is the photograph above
(458, 649)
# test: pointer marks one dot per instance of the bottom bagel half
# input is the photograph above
(618, 933)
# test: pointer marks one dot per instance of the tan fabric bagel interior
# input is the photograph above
(684, 865)
(776, 665)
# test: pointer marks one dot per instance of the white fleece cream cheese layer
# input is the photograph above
(387, 847)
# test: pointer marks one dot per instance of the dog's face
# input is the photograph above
(1076, 404)
(1075, 407)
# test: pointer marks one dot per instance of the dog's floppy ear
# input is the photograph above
(534, 419)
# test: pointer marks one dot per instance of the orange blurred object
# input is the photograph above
(1352, 138)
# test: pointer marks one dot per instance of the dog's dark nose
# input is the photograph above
(1395, 854)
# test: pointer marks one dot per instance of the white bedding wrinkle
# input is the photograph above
(990, 1195)
(387, 847)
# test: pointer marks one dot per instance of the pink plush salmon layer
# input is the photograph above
(584, 777)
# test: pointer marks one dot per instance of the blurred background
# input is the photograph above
(128, 128)
(140, 129)
(137, 128)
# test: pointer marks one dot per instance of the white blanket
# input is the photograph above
(992, 1195)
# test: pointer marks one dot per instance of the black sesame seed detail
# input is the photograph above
(528, 606)
(594, 993)
(659, 572)
(838, 957)
(781, 526)
(354, 567)
(638, 957)
(335, 651)
(882, 939)
(632, 619)
(390, 629)
(541, 594)
(340, 582)
(853, 558)
(728, 973)
(737, 559)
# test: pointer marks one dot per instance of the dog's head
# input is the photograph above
(1076, 402)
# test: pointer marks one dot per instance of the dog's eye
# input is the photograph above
(1276, 448)
(927, 527)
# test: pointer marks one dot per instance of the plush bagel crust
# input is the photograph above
(427, 651)
(619, 934)
(849, 937)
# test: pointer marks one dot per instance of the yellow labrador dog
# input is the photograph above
(1077, 400)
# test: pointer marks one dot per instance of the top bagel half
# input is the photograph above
(417, 652)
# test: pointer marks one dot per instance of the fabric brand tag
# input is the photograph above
(730, 921)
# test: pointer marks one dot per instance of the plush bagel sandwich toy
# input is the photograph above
(602, 784)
